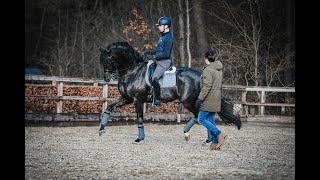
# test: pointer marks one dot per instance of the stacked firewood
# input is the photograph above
(83, 106)
(40, 105)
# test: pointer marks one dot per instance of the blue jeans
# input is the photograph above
(207, 120)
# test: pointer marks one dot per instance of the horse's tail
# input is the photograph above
(230, 113)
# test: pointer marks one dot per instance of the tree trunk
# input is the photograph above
(188, 34)
(290, 26)
(181, 40)
(82, 45)
(41, 28)
(199, 26)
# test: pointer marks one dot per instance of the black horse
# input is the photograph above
(131, 68)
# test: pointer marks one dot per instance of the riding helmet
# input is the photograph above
(164, 21)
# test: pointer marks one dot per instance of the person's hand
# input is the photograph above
(149, 56)
(198, 103)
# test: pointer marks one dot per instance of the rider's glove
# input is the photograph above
(146, 52)
(151, 57)
(198, 103)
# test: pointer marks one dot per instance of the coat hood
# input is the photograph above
(215, 65)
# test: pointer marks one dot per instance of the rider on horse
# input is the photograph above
(162, 55)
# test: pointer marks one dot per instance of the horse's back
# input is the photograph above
(188, 74)
(188, 83)
(181, 69)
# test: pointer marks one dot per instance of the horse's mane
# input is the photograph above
(130, 52)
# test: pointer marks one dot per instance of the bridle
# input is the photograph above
(124, 47)
(120, 70)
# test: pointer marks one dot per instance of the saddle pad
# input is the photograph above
(168, 80)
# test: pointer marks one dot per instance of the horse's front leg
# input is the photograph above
(104, 120)
(139, 111)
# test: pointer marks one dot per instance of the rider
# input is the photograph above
(162, 55)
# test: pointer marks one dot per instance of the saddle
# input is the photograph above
(167, 80)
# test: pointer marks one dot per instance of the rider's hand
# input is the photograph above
(146, 52)
(149, 56)
(198, 103)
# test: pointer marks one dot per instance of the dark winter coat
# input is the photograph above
(211, 86)
(164, 47)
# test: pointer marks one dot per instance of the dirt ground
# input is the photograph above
(256, 151)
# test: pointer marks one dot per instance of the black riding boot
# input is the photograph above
(156, 87)
(149, 94)
(150, 91)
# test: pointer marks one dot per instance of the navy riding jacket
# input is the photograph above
(164, 47)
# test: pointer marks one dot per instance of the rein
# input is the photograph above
(123, 46)
(129, 73)
(120, 70)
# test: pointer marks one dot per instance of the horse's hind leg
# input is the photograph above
(139, 111)
(105, 117)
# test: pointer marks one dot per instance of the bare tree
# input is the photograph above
(247, 44)
(202, 42)
(188, 34)
(66, 35)
(290, 16)
(41, 28)
(181, 40)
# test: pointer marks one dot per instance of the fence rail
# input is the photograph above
(60, 81)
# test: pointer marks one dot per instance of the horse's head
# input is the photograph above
(118, 57)
(108, 67)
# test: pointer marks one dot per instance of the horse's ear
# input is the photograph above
(101, 49)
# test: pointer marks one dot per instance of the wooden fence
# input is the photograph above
(245, 89)
(59, 82)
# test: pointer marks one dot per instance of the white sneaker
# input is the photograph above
(206, 142)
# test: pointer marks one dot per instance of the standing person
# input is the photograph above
(209, 99)
(162, 55)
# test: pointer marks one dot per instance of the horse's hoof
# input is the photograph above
(186, 136)
(102, 132)
(136, 141)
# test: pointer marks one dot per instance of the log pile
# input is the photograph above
(83, 106)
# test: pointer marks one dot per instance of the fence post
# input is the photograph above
(179, 112)
(244, 106)
(144, 108)
(104, 96)
(263, 100)
(283, 110)
(60, 94)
